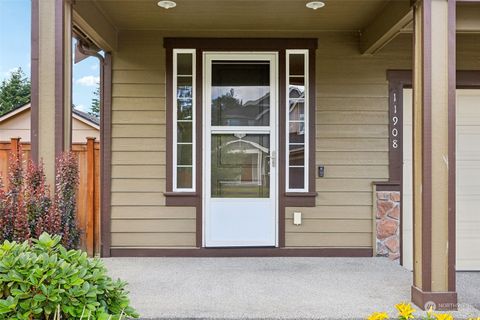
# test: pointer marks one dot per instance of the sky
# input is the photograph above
(15, 52)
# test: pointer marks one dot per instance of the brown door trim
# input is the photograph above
(195, 199)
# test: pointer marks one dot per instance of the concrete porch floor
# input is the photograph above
(274, 288)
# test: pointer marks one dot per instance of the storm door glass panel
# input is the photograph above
(240, 166)
(296, 115)
(240, 93)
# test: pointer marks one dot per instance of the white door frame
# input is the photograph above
(271, 57)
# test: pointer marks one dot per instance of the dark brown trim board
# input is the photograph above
(169, 123)
(442, 300)
(34, 79)
(243, 252)
(59, 77)
(230, 44)
(106, 154)
(195, 199)
(282, 111)
(199, 146)
(426, 147)
(452, 146)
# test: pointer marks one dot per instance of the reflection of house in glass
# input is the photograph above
(296, 142)
(240, 166)
(240, 94)
(184, 102)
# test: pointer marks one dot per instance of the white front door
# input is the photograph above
(240, 186)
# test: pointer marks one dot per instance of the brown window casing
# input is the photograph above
(285, 199)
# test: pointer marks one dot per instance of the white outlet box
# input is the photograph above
(297, 218)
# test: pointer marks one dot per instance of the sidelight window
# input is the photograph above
(297, 120)
(184, 120)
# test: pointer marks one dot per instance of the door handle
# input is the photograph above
(272, 158)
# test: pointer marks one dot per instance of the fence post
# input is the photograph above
(15, 146)
(90, 195)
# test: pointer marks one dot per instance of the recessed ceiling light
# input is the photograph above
(166, 4)
(315, 5)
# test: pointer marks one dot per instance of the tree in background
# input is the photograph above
(14, 91)
(95, 107)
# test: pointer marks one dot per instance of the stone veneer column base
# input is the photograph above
(388, 224)
(442, 301)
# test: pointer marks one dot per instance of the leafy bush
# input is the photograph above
(45, 281)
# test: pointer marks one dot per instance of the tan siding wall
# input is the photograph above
(352, 142)
(139, 215)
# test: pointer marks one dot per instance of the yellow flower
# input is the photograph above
(378, 316)
(430, 311)
(474, 318)
(444, 316)
(405, 311)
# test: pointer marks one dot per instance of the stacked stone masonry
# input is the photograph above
(388, 224)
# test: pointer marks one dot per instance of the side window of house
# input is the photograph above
(184, 120)
(297, 121)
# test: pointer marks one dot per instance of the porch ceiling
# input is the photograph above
(240, 15)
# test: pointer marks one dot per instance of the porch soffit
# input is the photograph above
(241, 15)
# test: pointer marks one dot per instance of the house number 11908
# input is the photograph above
(394, 120)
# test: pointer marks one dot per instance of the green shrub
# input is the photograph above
(41, 280)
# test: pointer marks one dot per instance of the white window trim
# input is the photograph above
(175, 122)
(306, 121)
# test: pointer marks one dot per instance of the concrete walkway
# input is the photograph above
(273, 288)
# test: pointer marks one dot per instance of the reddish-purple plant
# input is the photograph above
(26, 208)
(37, 198)
(65, 206)
(15, 218)
(3, 201)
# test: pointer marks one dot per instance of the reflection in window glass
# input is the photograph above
(184, 148)
(240, 166)
(296, 117)
(240, 93)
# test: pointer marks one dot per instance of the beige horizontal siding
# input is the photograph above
(344, 185)
(351, 142)
(138, 104)
(352, 157)
(138, 171)
(138, 144)
(138, 158)
(139, 215)
(154, 239)
(342, 212)
(318, 239)
(153, 226)
(138, 185)
(325, 131)
(352, 117)
(139, 131)
(330, 226)
(152, 212)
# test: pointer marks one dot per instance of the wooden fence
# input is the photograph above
(88, 197)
